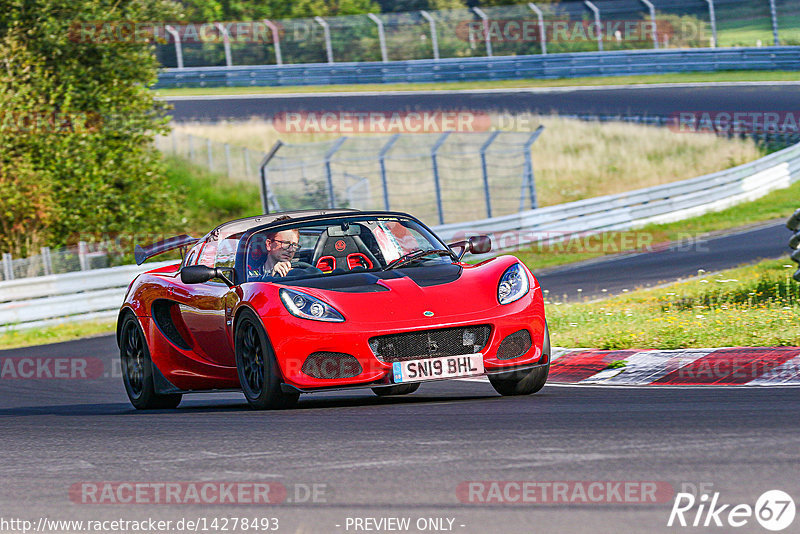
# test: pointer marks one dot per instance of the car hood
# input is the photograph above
(412, 294)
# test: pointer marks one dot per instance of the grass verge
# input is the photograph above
(699, 77)
(12, 339)
(748, 306)
(776, 205)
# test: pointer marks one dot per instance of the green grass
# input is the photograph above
(749, 306)
(208, 199)
(55, 334)
(776, 205)
(708, 77)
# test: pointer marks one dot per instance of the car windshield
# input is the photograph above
(340, 246)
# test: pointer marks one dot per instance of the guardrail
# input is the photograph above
(39, 301)
(43, 300)
(618, 63)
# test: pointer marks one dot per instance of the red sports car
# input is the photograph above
(307, 301)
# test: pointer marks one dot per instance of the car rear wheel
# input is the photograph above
(257, 367)
(400, 389)
(137, 369)
(524, 382)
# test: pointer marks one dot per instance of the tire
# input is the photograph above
(524, 382)
(400, 389)
(137, 369)
(257, 367)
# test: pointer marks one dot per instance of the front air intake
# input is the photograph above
(331, 365)
(514, 345)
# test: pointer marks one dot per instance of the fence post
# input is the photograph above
(228, 159)
(652, 9)
(226, 43)
(266, 194)
(8, 267)
(329, 174)
(436, 184)
(381, 36)
(178, 48)
(382, 160)
(248, 170)
(597, 24)
(191, 147)
(209, 155)
(528, 178)
(774, 12)
(485, 18)
(276, 39)
(542, 32)
(327, 33)
(712, 16)
(434, 38)
(485, 171)
(83, 255)
(47, 261)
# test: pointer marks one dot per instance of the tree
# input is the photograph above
(79, 122)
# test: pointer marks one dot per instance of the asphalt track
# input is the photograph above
(401, 457)
(406, 456)
(679, 260)
(661, 100)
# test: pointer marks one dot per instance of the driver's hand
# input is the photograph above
(282, 268)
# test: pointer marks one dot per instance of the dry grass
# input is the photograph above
(572, 160)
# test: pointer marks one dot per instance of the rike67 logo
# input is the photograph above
(774, 510)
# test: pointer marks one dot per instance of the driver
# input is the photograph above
(280, 248)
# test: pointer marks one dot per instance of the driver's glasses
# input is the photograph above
(287, 245)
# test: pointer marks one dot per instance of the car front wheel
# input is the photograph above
(524, 382)
(257, 367)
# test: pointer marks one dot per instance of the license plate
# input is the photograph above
(436, 368)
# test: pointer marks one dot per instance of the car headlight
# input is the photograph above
(307, 307)
(513, 285)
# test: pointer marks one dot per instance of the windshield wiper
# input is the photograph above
(415, 255)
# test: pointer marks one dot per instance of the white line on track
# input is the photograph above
(511, 90)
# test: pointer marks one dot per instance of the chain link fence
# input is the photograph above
(523, 29)
(82, 257)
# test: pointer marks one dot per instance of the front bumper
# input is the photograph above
(304, 337)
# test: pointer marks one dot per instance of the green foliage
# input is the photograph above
(78, 124)
(750, 306)
(208, 200)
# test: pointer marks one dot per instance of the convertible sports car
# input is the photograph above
(306, 301)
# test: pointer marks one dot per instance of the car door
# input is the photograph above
(206, 308)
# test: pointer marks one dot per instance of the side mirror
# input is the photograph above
(793, 223)
(200, 274)
(480, 244)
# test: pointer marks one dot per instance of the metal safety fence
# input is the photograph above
(525, 29)
(446, 177)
